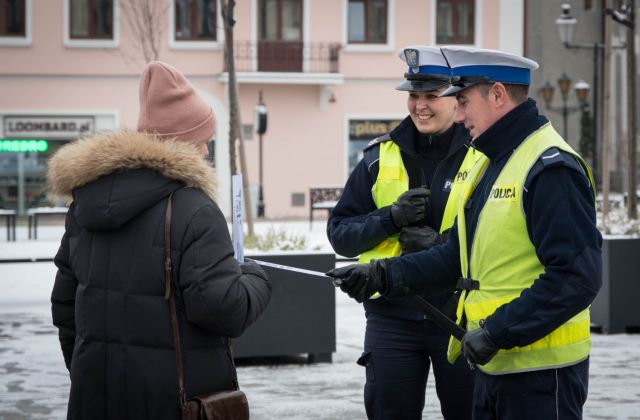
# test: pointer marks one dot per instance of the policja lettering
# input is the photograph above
(447, 185)
(461, 176)
(503, 193)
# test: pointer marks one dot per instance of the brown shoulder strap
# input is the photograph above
(170, 295)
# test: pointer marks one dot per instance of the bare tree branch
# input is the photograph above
(145, 23)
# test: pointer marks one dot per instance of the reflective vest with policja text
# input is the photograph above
(393, 180)
(504, 262)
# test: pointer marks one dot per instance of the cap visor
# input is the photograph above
(455, 89)
(422, 85)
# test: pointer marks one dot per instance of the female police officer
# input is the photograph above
(399, 200)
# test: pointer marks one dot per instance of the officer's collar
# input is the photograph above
(438, 142)
(406, 134)
(506, 134)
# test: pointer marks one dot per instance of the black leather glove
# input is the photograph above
(418, 238)
(252, 267)
(360, 281)
(410, 207)
(477, 346)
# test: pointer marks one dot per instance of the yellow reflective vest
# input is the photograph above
(393, 180)
(505, 263)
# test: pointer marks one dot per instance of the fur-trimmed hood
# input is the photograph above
(118, 174)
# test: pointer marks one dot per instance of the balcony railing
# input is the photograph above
(286, 56)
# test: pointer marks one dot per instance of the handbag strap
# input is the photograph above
(170, 296)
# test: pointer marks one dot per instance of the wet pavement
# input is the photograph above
(34, 382)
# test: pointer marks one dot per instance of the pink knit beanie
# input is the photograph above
(171, 108)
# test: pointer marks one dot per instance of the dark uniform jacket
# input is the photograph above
(356, 225)
(561, 221)
(107, 301)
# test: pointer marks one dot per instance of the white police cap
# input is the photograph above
(428, 70)
(470, 66)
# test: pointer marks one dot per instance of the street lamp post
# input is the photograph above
(625, 15)
(260, 124)
(564, 83)
(566, 23)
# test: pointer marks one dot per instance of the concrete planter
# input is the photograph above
(616, 308)
(301, 316)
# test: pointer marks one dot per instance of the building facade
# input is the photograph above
(326, 70)
(584, 59)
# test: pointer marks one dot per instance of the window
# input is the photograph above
(455, 21)
(195, 20)
(367, 21)
(361, 132)
(91, 19)
(280, 20)
(280, 35)
(12, 18)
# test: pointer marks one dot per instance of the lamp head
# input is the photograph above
(564, 83)
(582, 90)
(566, 23)
(547, 93)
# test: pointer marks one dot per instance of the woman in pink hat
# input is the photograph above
(108, 299)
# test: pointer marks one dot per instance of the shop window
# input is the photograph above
(367, 21)
(195, 20)
(361, 132)
(91, 19)
(13, 18)
(455, 21)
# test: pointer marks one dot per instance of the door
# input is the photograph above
(280, 35)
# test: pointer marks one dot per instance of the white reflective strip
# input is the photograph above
(552, 156)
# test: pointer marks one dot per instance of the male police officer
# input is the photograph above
(525, 243)
(383, 212)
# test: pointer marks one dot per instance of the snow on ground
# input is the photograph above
(34, 382)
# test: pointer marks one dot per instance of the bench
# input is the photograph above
(10, 217)
(323, 198)
(35, 213)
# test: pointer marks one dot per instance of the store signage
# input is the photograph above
(23, 145)
(370, 129)
(47, 127)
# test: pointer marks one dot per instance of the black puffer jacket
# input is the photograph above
(107, 301)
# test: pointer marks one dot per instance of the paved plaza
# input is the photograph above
(34, 382)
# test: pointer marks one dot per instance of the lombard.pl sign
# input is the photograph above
(47, 127)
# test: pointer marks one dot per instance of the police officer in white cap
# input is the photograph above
(401, 198)
(525, 242)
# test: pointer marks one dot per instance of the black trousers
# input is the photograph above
(398, 355)
(545, 394)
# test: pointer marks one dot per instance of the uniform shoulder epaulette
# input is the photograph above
(554, 157)
(551, 158)
(377, 140)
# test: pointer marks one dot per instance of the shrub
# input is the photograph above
(618, 223)
(273, 239)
